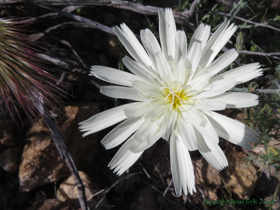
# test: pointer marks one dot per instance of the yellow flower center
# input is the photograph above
(176, 95)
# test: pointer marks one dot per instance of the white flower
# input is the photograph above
(177, 88)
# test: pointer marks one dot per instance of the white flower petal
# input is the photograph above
(167, 33)
(200, 35)
(194, 55)
(236, 100)
(201, 142)
(136, 110)
(216, 42)
(138, 69)
(148, 88)
(198, 83)
(120, 133)
(156, 109)
(222, 62)
(124, 158)
(232, 130)
(217, 87)
(149, 41)
(104, 119)
(215, 157)
(151, 45)
(112, 75)
(146, 131)
(163, 68)
(168, 122)
(180, 71)
(211, 104)
(186, 131)
(243, 74)
(181, 50)
(204, 127)
(219, 43)
(181, 166)
(137, 146)
(132, 44)
(122, 93)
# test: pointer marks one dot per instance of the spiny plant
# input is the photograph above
(23, 76)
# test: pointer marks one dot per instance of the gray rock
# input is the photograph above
(41, 163)
(240, 176)
(68, 191)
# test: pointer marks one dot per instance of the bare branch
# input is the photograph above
(94, 24)
(187, 14)
(53, 60)
(86, 22)
(273, 54)
(49, 15)
(259, 53)
(180, 17)
(64, 153)
(249, 21)
(167, 188)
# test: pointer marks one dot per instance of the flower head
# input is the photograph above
(23, 76)
(176, 87)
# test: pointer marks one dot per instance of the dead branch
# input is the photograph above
(180, 17)
(53, 60)
(49, 15)
(64, 154)
(273, 54)
(248, 21)
(87, 22)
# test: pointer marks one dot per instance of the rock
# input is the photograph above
(240, 176)
(144, 199)
(51, 204)
(9, 159)
(68, 191)
(206, 173)
(41, 162)
(208, 192)
(207, 178)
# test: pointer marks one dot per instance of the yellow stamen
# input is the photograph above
(176, 95)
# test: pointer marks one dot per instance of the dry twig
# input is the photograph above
(180, 17)
(49, 15)
(273, 55)
(64, 154)
(248, 21)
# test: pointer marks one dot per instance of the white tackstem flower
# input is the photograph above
(176, 89)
